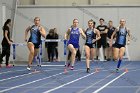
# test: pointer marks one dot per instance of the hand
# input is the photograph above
(94, 40)
(101, 32)
(108, 40)
(128, 42)
(25, 40)
(10, 42)
(110, 44)
(40, 28)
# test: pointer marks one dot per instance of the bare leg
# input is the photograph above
(107, 52)
(104, 53)
(87, 51)
(97, 53)
(73, 53)
(121, 54)
(31, 54)
(36, 50)
(122, 50)
(110, 52)
(92, 51)
(115, 53)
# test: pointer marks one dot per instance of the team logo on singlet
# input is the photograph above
(122, 33)
(34, 29)
(74, 32)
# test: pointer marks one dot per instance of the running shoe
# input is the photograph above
(8, 66)
(68, 65)
(88, 70)
(28, 68)
(117, 70)
(72, 68)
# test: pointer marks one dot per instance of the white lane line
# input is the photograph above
(98, 90)
(10, 88)
(133, 70)
(51, 82)
(52, 65)
(12, 71)
(23, 75)
(29, 82)
(15, 77)
(16, 71)
(68, 83)
(81, 91)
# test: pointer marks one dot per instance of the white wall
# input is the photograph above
(61, 18)
(10, 4)
(61, 2)
(26, 2)
(9, 11)
(80, 2)
(116, 2)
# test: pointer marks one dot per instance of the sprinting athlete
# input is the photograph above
(36, 31)
(121, 39)
(90, 42)
(73, 35)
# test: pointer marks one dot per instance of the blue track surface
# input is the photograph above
(53, 79)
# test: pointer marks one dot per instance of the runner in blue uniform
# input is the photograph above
(36, 31)
(73, 35)
(91, 38)
(121, 39)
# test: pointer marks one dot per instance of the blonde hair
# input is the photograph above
(91, 21)
(75, 19)
(36, 18)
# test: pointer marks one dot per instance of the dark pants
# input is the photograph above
(5, 52)
(56, 52)
(78, 55)
(51, 50)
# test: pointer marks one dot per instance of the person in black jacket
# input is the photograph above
(6, 42)
(51, 45)
(56, 36)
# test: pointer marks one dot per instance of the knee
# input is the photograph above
(32, 53)
(121, 57)
(87, 56)
(115, 58)
(74, 53)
